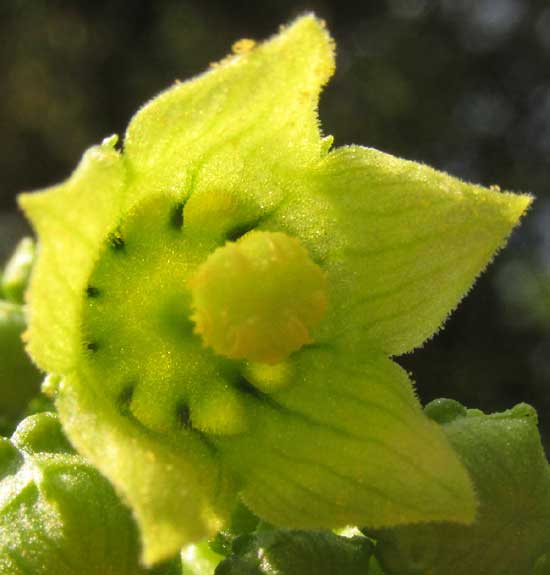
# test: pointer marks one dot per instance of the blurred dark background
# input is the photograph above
(463, 85)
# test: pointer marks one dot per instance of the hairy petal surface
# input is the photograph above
(72, 220)
(232, 142)
(344, 442)
(175, 489)
(401, 243)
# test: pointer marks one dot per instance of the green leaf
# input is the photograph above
(16, 274)
(242, 523)
(506, 461)
(171, 567)
(374, 567)
(292, 552)
(57, 513)
(199, 559)
(19, 379)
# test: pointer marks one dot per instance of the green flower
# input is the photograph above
(221, 298)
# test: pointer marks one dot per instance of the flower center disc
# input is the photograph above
(258, 298)
(255, 299)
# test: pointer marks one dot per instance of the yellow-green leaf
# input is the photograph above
(58, 514)
(19, 378)
(505, 458)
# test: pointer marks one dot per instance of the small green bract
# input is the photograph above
(277, 388)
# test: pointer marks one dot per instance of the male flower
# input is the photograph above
(221, 299)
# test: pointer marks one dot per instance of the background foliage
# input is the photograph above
(463, 85)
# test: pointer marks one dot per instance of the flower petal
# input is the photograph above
(345, 443)
(175, 488)
(258, 105)
(72, 221)
(401, 243)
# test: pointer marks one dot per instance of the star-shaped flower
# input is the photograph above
(221, 298)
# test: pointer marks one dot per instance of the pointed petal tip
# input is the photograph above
(306, 20)
(31, 203)
(502, 212)
(518, 206)
(309, 25)
(97, 159)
